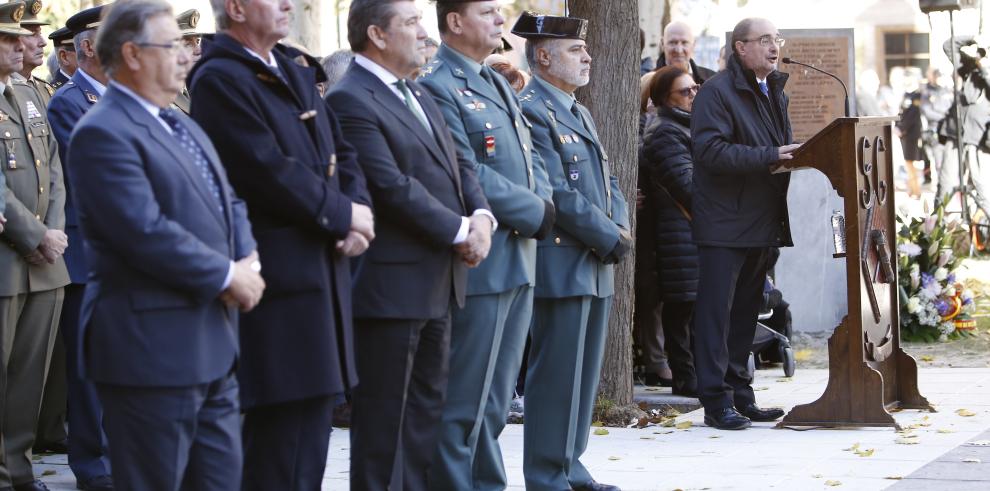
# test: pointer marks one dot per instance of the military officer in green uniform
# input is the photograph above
(193, 41)
(32, 271)
(34, 51)
(489, 334)
(574, 279)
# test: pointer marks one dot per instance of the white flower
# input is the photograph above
(910, 249)
(915, 276)
(914, 305)
(944, 257)
(929, 224)
(949, 291)
(941, 274)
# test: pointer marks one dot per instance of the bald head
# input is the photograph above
(678, 45)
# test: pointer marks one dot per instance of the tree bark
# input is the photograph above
(613, 99)
(305, 28)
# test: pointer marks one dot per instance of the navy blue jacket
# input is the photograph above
(66, 108)
(421, 189)
(737, 202)
(159, 251)
(283, 150)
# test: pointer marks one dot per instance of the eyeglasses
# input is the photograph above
(192, 41)
(172, 47)
(688, 91)
(766, 39)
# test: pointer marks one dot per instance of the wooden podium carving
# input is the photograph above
(869, 373)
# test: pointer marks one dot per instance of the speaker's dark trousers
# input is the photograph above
(172, 438)
(730, 290)
(286, 444)
(402, 369)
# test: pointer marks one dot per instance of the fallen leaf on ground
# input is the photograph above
(866, 453)
(760, 388)
(927, 358)
(597, 424)
(945, 430)
(601, 431)
(965, 413)
(664, 432)
(910, 440)
(833, 483)
(817, 476)
(646, 438)
(803, 354)
(785, 379)
(668, 423)
(894, 478)
(49, 472)
(715, 436)
(652, 389)
(683, 425)
(852, 448)
(614, 458)
(972, 460)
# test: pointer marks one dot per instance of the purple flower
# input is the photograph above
(950, 279)
(942, 307)
(926, 279)
(967, 300)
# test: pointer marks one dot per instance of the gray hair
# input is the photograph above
(77, 41)
(125, 21)
(52, 64)
(336, 64)
(534, 44)
(742, 30)
(220, 16)
(364, 14)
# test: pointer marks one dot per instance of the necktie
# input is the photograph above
(186, 141)
(8, 93)
(576, 111)
(407, 96)
(764, 88)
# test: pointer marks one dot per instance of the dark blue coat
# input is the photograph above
(737, 202)
(159, 251)
(666, 157)
(66, 108)
(283, 150)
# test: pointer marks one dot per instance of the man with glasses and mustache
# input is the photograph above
(739, 128)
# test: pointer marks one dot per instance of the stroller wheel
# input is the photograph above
(790, 364)
(751, 365)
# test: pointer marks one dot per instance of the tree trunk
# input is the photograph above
(613, 99)
(306, 25)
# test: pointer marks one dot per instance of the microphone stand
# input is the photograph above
(788, 61)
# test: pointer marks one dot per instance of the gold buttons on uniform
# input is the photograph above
(575, 158)
(29, 136)
(41, 190)
(6, 134)
(37, 163)
(525, 148)
(556, 240)
(38, 217)
(515, 232)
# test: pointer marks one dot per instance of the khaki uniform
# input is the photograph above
(30, 296)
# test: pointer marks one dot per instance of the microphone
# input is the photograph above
(788, 61)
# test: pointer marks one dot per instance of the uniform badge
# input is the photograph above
(3, 116)
(458, 72)
(32, 110)
(332, 167)
(490, 146)
(562, 140)
(574, 174)
(575, 138)
(568, 139)
(92, 98)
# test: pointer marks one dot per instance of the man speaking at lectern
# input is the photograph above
(739, 128)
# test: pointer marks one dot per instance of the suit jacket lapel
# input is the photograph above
(435, 117)
(157, 132)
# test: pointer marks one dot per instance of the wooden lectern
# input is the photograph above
(869, 373)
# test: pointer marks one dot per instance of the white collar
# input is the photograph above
(270, 61)
(387, 77)
(145, 103)
(100, 88)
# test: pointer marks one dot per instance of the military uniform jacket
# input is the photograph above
(490, 130)
(182, 101)
(590, 207)
(59, 80)
(66, 108)
(35, 193)
(285, 156)
(44, 90)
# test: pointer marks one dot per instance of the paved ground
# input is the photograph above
(762, 457)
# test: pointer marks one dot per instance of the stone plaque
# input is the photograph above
(817, 99)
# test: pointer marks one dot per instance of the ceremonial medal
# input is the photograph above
(3, 116)
(490, 146)
(574, 174)
(32, 110)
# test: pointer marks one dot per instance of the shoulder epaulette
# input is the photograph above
(528, 96)
(430, 67)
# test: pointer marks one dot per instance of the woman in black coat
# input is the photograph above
(666, 152)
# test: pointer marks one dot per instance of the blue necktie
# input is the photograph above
(764, 88)
(186, 141)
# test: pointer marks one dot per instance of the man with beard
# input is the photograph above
(678, 50)
(574, 277)
(309, 209)
(488, 335)
(34, 51)
(193, 42)
(739, 128)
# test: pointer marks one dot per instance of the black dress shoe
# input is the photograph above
(755, 413)
(98, 483)
(35, 485)
(651, 379)
(50, 447)
(727, 419)
(689, 389)
(597, 486)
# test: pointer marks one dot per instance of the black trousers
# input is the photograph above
(730, 290)
(676, 320)
(285, 445)
(397, 406)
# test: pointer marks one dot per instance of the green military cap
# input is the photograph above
(536, 26)
(10, 19)
(61, 37)
(31, 10)
(187, 22)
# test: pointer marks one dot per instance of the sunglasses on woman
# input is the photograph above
(687, 91)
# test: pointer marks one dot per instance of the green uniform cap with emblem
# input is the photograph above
(188, 21)
(61, 37)
(536, 26)
(10, 19)
(31, 10)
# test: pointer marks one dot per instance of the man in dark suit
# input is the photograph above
(171, 255)
(434, 223)
(739, 127)
(87, 453)
(283, 150)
